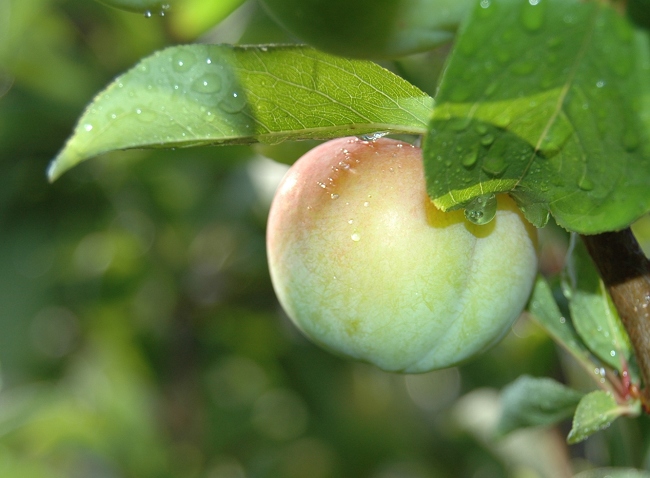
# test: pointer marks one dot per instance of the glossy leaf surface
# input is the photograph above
(218, 94)
(547, 101)
(593, 313)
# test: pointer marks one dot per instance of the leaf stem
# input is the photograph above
(625, 270)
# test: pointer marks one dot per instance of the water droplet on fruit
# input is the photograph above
(334, 196)
(482, 209)
(366, 204)
(355, 237)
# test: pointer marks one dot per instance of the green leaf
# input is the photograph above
(147, 7)
(544, 310)
(532, 401)
(549, 102)
(371, 28)
(613, 473)
(593, 313)
(595, 412)
(220, 94)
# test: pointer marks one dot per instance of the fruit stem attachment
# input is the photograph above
(625, 270)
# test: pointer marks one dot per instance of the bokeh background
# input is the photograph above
(139, 333)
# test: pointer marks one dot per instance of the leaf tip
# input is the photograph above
(55, 169)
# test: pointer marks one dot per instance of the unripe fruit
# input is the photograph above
(368, 268)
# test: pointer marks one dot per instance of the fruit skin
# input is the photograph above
(367, 267)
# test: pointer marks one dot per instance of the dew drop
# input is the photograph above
(494, 165)
(147, 14)
(207, 84)
(469, 159)
(533, 14)
(482, 209)
(366, 204)
(183, 60)
(481, 128)
(355, 237)
(350, 221)
(88, 127)
(233, 103)
(373, 136)
(334, 196)
(585, 183)
(487, 140)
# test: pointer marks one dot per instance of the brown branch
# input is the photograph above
(626, 272)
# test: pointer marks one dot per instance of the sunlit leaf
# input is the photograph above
(548, 101)
(613, 473)
(218, 94)
(593, 313)
(595, 412)
(544, 310)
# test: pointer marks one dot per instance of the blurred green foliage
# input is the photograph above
(139, 333)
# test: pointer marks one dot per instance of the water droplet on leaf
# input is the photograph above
(482, 209)
(233, 103)
(533, 14)
(487, 140)
(470, 158)
(207, 84)
(585, 183)
(494, 165)
(183, 60)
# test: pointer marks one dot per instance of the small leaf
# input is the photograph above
(220, 94)
(532, 401)
(613, 473)
(593, 313)
(548, 101)
(544, 310)
(595, 412)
